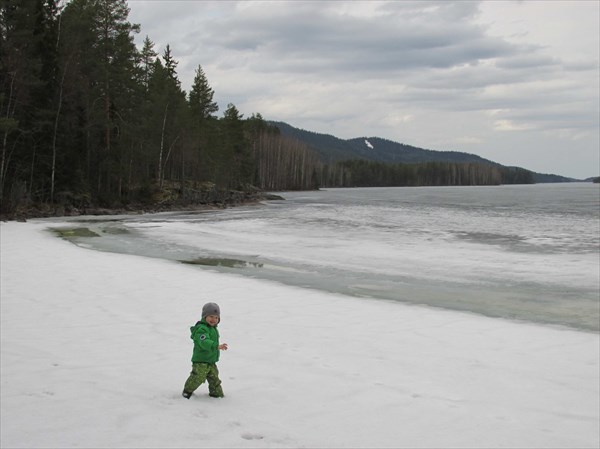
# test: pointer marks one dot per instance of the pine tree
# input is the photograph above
(102, 58)
(147, 60)
(201, 161)
(168, 121)
(170, 65)
(201, 95)
(28, 71)
(235, 148)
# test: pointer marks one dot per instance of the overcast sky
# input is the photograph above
(516, 82)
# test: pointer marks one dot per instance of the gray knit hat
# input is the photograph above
(211, 308)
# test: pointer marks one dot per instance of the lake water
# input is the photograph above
(528, 252)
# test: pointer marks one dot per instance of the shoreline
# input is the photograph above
(233, 199)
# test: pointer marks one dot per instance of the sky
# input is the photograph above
(517, 82)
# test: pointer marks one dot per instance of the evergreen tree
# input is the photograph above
(170, 65)
(114, 46)
(235, 149)
(169, 120)
(201, 95)
(147, 60)
(201, 160)
(102, 65)
(28, 69)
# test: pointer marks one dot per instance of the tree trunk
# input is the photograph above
(162, 143)
(60, 96)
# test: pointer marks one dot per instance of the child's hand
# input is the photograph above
(223, 347)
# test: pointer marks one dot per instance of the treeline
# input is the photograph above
(362, 173)
(89, 119)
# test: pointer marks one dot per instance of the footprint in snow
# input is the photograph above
(252, 436)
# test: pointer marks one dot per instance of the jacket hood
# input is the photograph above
(199, 325)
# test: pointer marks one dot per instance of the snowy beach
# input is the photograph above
(95, 350)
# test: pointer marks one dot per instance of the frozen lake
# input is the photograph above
(528, 252)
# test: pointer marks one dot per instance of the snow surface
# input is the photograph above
(95, 350)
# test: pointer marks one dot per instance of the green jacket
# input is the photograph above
(206, 343)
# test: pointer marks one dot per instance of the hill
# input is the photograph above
(333, 149)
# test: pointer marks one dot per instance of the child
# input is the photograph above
(206, 353)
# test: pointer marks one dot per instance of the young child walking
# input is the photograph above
(206, 353)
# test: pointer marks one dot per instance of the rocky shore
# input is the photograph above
(168, 200)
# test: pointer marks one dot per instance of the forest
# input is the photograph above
(88, 119)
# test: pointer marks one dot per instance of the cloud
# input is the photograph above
(423, 73)
(510, 125)
(307, 38)
(468, 140)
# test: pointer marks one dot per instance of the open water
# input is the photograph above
(527, 252)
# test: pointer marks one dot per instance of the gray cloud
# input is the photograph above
(393, 68)
(303, 40)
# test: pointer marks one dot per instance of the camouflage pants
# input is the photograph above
(204, 372)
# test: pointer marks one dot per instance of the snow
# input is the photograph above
(95, 349)
(369, 144)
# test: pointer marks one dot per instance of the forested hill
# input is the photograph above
(332, 149)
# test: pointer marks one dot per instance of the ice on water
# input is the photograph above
(525, 252)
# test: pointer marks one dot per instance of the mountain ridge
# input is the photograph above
(332, 149)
